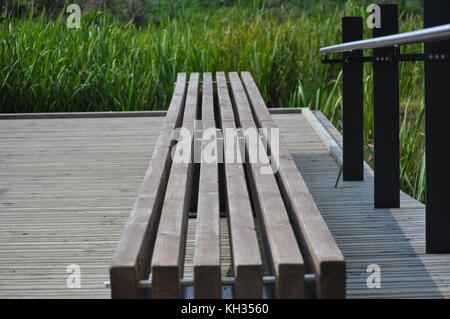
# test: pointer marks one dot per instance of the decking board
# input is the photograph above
(66, 190)
(70, 184)
(392, 238)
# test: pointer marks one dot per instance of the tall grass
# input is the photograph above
(326, 96)
(108, 65)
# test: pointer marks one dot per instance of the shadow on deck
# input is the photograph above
(393, 239)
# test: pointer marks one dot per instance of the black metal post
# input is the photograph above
(386, 116)
(353, 109)
(437, 99)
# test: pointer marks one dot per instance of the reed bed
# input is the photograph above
(109, 65)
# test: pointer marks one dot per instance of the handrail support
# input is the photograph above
(407, 57)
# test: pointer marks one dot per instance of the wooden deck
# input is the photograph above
(66, 190)
(67, 186)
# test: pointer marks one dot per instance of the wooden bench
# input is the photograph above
(280, 245)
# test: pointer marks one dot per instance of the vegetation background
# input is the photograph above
(127, 53)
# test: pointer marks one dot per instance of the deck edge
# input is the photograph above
(82, 115)
(334, 146)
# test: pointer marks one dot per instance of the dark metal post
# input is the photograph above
(437, 100)
(353, 109)
(386, 116)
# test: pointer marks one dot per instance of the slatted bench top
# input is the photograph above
(249, 180)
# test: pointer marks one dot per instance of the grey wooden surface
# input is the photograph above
(67, 187)
(394, 239)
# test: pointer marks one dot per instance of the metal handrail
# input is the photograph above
(386, 106)
(420, 36)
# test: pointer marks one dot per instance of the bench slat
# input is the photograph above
(207, 275)
(284, 253)
(247, 262)
(168, 255)
(322, 250)
(157, 226)
(131, 261)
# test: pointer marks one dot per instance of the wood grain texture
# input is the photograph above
(394, 239)
(80, 115)
(168, 254)
(134, 251)
(318, 246)
(245, 250)
(207, 272)
(285, 256)
(67, 187)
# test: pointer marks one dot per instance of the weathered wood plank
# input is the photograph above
(318, 245)
(168, 254)
(68, 186)
(207, 272)
(61, 207)
(285, 256)
(80, 115)
(132, 258)
(392, 238)
(245, 250)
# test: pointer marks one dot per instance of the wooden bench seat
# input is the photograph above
(234, 171)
